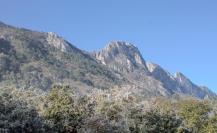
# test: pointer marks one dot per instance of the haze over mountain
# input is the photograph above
(31, 59)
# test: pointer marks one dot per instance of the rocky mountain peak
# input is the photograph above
(156, 69)
(188, 87)
(184, 81)
(121, 56)
(58, 42)
(121, 45)
(152, 66)
(181, 78)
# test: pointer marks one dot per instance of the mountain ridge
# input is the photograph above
(177, 83)
(40, 60)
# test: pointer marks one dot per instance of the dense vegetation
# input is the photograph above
(112, 98)
(65, 111)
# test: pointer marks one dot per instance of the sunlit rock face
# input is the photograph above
(178, 83)
(165, 77)
(188, 87)
(32, 59)
(58, 42)
(123, 57)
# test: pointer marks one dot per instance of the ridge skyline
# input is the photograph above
(129, 44)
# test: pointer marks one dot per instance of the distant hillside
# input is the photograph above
(30, 59)
(39, 60)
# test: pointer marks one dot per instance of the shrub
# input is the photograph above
(158, 122)
(16, 116)
(64, 112)
(194, 113)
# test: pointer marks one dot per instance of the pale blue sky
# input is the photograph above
(180, 35)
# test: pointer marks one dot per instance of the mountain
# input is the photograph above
(122, 56)
(126, 59)
(178, 83)
(31, 59)
(187, 87)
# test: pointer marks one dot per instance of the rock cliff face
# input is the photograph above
(126, 59)
(187, 87)
(178, 83)
(122, 57)
(30, 59)
(163, 76)
(58, 42)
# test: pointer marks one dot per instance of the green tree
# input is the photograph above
(159, 122)
(61, 111)
(194, 113)
(17, 117)
(211, 125)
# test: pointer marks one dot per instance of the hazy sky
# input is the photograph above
(180, 35)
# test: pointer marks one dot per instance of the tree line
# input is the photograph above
(62, 110)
